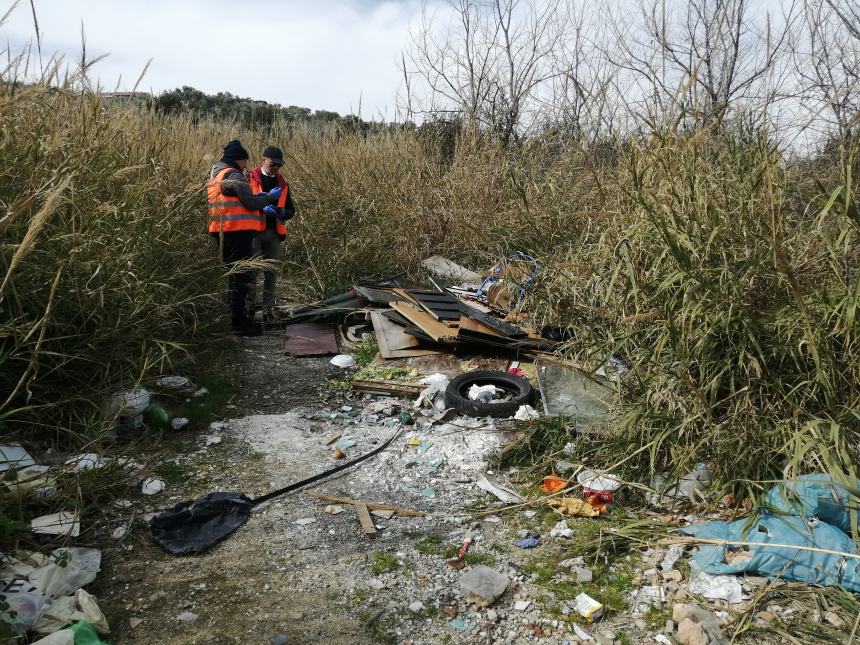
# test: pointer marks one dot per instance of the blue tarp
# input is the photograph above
(820, 520)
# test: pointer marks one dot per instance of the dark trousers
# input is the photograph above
(237, 246)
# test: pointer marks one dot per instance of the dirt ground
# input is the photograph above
(296, 574)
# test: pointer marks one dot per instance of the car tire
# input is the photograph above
(457, 394)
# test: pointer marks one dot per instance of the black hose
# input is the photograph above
(327, 473)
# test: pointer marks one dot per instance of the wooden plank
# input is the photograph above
(394, 342)
(477, 327)
(310, 339)
(373, 506)
(500, 326)
(387, 387)
(364, 518)
(433, 328)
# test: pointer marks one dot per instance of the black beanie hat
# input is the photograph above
(234, 151)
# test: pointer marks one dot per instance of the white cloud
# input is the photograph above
(325, 54)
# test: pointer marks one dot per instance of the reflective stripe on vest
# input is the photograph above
(257, 187)
(226, 213)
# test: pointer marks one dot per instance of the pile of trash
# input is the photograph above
(44, 595)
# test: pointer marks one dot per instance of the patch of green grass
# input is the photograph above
(431, 544)
(383, 562)
(380, 627)
(173, 473)
(379, 372)
(357, 596)
(203, 410)
(544, 438)
(365, 352)
(656, 618)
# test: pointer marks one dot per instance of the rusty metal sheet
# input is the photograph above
(311, 339)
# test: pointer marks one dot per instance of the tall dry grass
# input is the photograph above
(724, 275)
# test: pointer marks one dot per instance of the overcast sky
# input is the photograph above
(320, 54)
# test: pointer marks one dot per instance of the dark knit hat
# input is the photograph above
(275, 154)
(234, 151)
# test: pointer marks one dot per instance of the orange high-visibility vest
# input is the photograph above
(226, 213)
(257, 187)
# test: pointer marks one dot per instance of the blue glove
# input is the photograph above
(275, 192)
(271, 211)
(281, 213)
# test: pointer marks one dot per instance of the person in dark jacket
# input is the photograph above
(267, 246)
(235, 219)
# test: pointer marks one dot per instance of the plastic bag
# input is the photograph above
(783, 562)
(68, 570)
(815, 495)
(195, 526)
(434, 393)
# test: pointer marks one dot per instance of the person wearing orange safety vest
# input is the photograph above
(235, 219)
(267, 246)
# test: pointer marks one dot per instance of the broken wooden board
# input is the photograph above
(442, 306)
(381, 386)
(373, 506)
(498, 325)
(310, 339)
(364, 518)
(468, 324)
(393, 341)
(436, 330)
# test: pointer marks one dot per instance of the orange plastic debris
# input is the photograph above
(553, 484)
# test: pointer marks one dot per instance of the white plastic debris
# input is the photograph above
(343, 360)
(62, 637)
(561, 530)
(86, 461)
(179, 422)
(62, 523)
(526, 413)
(66, 571)
(187, 617)
(492, 486)
(152, 486)
(13, 455)
(522, 605)
(581, 634)
(595, 481)
(434, 393)
(304, 521)
(211, 439)
(129, 402)
(201, 392)
(672, 556)
(70, 609)
(174, 383)
(663, 640)
(416, 606)
(714, 587)
(483, 393)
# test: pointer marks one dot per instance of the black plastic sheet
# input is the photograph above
(196, 526)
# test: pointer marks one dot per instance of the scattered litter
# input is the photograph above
(553, 484)
(152, 486)
(581, 634)
(492, 486)
(646, 597)
(86, 461)
(583, 574)
(529, 513)
(200, 392)
(416, 606)
(338, 454)
(343, 361)
(187, 617)
(484, 585)
(434, 393)
(714, 587)
(179, 422)
(460, 625)
(13, 455)
(483, 393)
(129, 406)
(212, 439)
(663, 640)
(69, 609)
(672, 556)
(120, 532)
(596, 488)
(334, 509)
(588, 607)
(62, 523)
(428, 492)
(561, 530)
(346, 442)
(384, 514)
(304, 521)
(449, 270)
(690, 487)
(570, 392)
(175, 383)
(522, 605)
(517, 371)
(529, 542)
(573, 506)
(526, 413)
